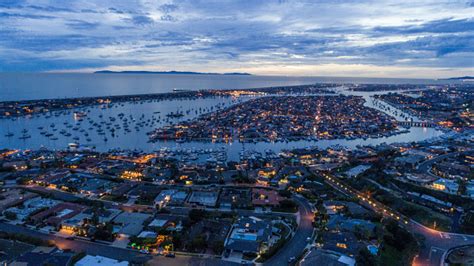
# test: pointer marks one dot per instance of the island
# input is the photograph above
(169, 72)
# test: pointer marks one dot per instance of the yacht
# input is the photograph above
(79, 115)
(25, 136)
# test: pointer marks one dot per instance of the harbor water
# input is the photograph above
(125, 126)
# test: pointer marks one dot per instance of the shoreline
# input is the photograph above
(42, 106)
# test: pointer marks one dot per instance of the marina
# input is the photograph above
(125, 125)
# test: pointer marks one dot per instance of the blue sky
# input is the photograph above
(425, 39)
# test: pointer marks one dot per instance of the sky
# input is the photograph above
(411, 39)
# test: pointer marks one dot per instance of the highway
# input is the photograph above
(436, 243)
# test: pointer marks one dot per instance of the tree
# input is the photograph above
(196, 215)
(365, 258)
(288, 204)
(462, 187)
(218, 246)
(197, 244)
(10, 215)
(284, 193)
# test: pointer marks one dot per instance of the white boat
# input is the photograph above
(78, 115)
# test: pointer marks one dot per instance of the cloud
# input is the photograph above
(30, 16)
(142, 20)
(77, 24)
(436, 26)
(168, 18)
(253, 36)
(168, 8)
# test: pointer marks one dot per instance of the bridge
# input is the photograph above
(415, 124)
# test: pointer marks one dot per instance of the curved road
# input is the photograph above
(436, 243)
(295, 246)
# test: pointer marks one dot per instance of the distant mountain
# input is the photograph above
(169, 72)
(461, 78)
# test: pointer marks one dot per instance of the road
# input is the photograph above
(426, 165)
(436, 243)
(293, 248)
(297, 243)
(68, 196)
(96, 248)
(93, 248)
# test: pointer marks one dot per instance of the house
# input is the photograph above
(100, 260)
(340, 223)
(420, 179)
(59, 213)
(31, 206)
(168, 222)
(356, 171)
(249, 234)
(75, 224)
(326, 257)
(335, 206)
(213, 230)
(14, 197)
(235, 198)
(204, 198)
(44, 256)
(122, 189)
(264, 197)
(10, 250)
(147, 235)
(143, 191)
(170, 196)
(132, 223)
(409, 160)
(445, 185)
(341, 242)
(104, 215)
(293, 173)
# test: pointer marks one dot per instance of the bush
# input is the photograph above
(398, 246)
(10, 215)
(196, 215)
(218, 246)
(198, 244)
(287, 205)
(27, 239)
(365, 258)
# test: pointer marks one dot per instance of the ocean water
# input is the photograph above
(31, 86)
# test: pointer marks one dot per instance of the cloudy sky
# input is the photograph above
(425, 39)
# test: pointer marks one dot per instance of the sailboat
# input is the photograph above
(9, 133)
